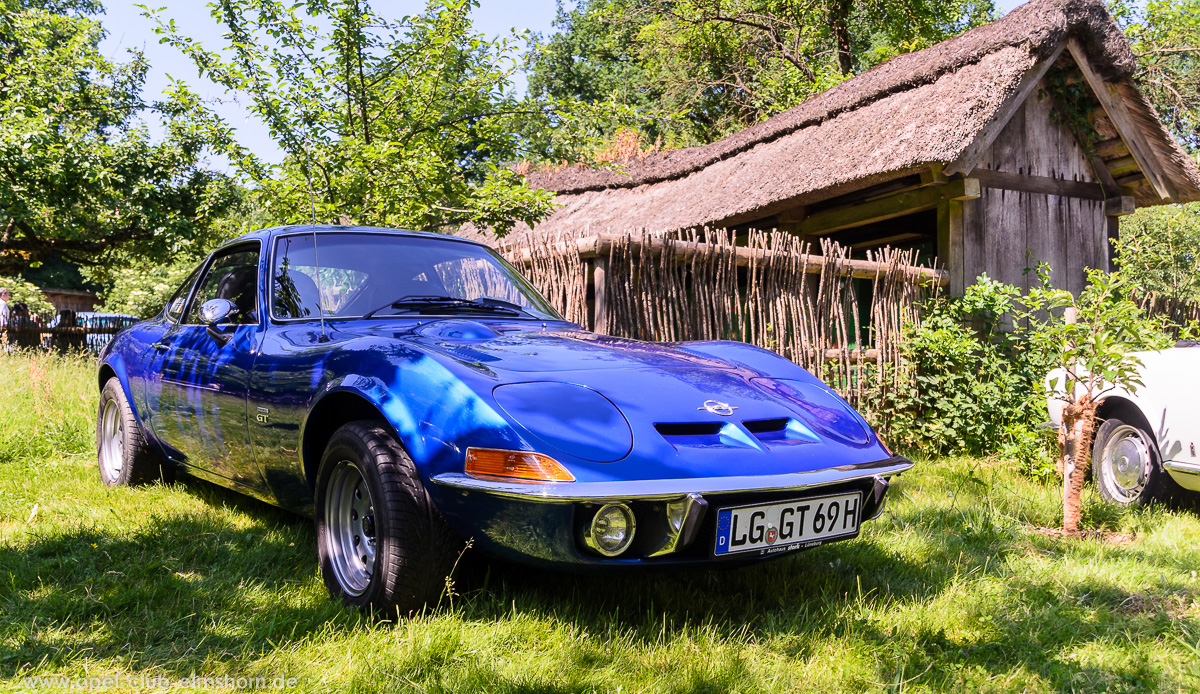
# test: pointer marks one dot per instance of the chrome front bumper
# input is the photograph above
(568, 492)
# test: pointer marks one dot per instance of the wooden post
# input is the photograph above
(600, 295)
(950, 243)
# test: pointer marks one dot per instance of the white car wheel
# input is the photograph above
(1126, 465)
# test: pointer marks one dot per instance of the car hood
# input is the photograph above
(659, 407)
(531, 352)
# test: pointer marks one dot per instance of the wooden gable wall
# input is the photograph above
(1039, 202)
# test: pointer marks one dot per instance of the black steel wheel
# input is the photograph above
(382, 544)
(1126, 465)
(122, 451)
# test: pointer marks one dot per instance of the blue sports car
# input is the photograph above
(411, 391)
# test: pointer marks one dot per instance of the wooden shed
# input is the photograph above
(962, 150)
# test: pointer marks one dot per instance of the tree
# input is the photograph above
(25, 293)
(1165, 37)
(1159, 252)
(705, 68)
(1091, 338)
(405, 122)
(79, 175)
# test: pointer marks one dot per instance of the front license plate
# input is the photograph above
(787, 525)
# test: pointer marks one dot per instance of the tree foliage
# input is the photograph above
(1159, 251)
(1165, 36)
(404, 122)
(79, 174)
(705, 68)
(25, 293)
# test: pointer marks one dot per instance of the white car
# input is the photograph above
(1145, 446)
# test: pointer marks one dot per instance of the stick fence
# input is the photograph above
(839, 317)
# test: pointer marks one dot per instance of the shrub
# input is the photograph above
(31, 296)
(977, 367)
(973, 383)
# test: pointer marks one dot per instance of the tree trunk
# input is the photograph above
(1075, 442)
(839, 24)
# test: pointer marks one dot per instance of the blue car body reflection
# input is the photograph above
(634, 422)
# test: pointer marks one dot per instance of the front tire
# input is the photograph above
(122, 451)
(1126, 465)
(382, 544)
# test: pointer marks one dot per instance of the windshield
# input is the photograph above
(364, 274)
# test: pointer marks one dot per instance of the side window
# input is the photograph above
(233, 275)
(175, 305)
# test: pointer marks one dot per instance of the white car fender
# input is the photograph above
(1166, 399)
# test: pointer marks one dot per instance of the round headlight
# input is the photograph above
(611, 530)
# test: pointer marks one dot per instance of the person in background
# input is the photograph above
(5, 295)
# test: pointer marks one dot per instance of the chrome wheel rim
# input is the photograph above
(1125, 464)
(350, 528)
(112, 441)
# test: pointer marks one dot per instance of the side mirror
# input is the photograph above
(214, 312)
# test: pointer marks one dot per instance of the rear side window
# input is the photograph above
(233, 275)
(179, 299)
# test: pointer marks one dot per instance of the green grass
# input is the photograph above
(953, 589)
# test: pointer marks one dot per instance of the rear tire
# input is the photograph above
(383, 546)
(124, 455)
(1126, 465)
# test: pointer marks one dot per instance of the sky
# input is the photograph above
(127, 28)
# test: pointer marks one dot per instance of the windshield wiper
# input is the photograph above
(449, 304)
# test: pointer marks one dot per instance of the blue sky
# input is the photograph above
(127, 28)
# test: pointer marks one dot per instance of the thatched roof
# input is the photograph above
(916, 110)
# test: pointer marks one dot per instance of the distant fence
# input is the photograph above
(838, 317)
(65, 333)
(1178, 312)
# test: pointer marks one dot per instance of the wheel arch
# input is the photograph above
(114, 367)
(333, 410)
(105, 374)
(1126, 410)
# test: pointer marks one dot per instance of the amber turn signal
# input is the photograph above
(518, 466)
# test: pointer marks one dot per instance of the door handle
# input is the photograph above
(159, 347)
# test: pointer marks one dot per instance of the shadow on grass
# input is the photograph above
(183, 590)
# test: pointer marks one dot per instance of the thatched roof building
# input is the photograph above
(955, 148)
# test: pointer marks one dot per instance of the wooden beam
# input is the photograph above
(600, 295)
(1105, 178)
(969, 159)
(1122, 165)
(1120, 206)
(873, 243)
(1112, 148)
(599, 246)
(934, 175)
(1110, 248)
(889, 207)
(951, 250)
(1132, 180)
(1114, 106)
(1045, 185)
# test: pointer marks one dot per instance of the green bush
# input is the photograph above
(24, 292)
(972, 384)
(976, 370)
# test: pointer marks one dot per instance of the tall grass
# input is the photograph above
(47, 405)
(954, 588)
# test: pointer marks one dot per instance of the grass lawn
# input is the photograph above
(953, 589)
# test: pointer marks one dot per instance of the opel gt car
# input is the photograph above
(411, 391)
(1145, 443)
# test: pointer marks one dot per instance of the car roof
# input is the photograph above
(269, 233)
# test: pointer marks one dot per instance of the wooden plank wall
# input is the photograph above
(1007, 231)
